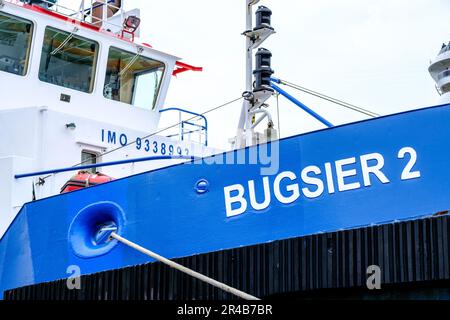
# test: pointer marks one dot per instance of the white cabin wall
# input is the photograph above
(51, 145)
(28, 90)
(13, 193)
(18, 132)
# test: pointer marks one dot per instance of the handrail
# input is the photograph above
(204, 127)
(55, 6)
(94, 7)
(104, 164)
(194, 124)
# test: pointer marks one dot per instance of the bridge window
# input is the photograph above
(68, 60)
(15, 44)
(132, 78)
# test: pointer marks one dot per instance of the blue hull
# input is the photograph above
(163, 211)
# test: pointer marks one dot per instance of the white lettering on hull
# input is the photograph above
(314, 181)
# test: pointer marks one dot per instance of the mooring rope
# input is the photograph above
(184, 269)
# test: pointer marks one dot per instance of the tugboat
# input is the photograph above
(93, 190)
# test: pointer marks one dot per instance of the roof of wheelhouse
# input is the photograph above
(97, 31)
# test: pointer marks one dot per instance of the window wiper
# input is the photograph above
(132, 61)
(65, 42)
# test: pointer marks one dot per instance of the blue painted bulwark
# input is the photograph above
(412, 255)
(370, 172)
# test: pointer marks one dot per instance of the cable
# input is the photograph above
(328, 98)
(183, 269)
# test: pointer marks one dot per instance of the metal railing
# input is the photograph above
(187, 127)
(84, 11)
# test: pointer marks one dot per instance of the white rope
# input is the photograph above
(183, 269)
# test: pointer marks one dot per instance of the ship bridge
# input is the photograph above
(440, 72)
(82, 62)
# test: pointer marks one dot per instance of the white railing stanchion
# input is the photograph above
(105, 12)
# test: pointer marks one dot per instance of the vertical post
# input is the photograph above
(180, 125)
(249, 73)
(90, 12)
(182, 131)
(248, 49)
(122, 12)
(42, 139)
(105, 11)
(81, 11)
(244, 127)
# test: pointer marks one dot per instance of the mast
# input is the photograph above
(254, 98)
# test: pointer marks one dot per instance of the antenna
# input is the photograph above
(256, 96)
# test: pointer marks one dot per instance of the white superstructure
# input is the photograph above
(440, 71)
(73, 91)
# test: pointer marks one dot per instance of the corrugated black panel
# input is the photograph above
(410, 252)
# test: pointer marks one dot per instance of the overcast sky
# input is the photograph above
(371, 53)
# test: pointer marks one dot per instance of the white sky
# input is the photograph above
(371, 53)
